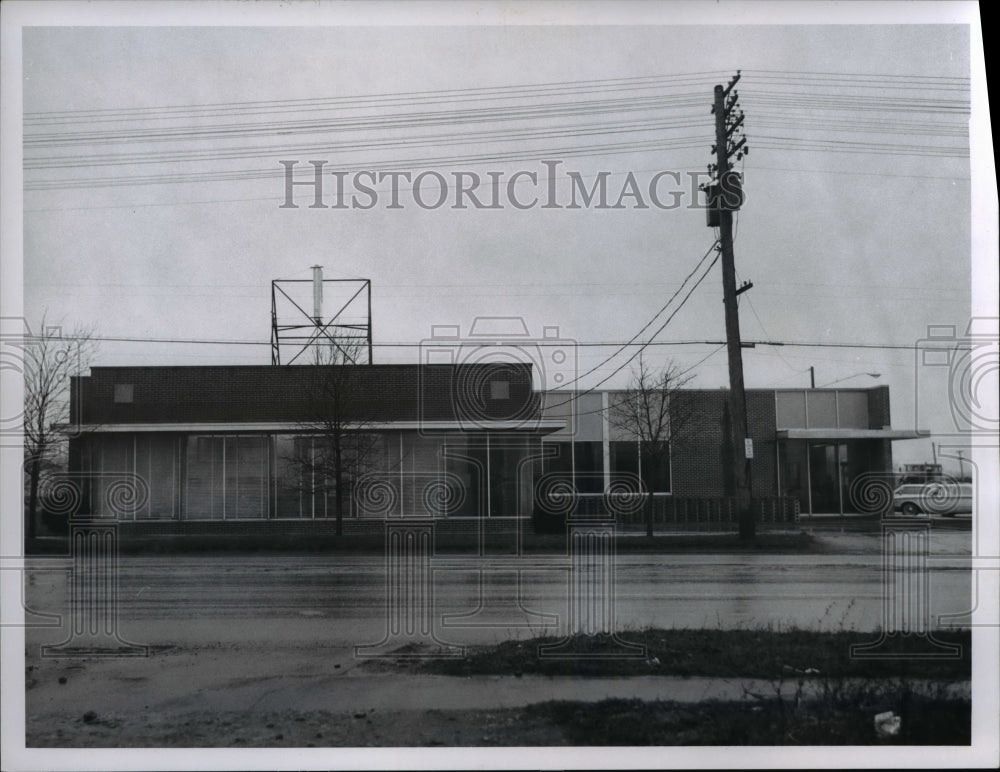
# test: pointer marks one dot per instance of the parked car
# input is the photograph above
(937, 497)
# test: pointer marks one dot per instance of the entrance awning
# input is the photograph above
(850, 434)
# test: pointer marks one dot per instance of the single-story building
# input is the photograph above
(251, 443)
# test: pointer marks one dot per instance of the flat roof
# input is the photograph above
(850, 434)
(298, 427)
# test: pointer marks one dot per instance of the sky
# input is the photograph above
(857, 225)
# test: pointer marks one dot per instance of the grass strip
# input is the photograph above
(747, 653)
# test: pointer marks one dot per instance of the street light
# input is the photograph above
(846, 378)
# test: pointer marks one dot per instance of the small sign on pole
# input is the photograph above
(748, 447)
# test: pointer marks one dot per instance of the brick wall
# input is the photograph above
(697, 456)
(306, 393)
(878, 407)
(762, 421)
(698, 459)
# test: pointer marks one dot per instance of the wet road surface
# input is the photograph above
(341, 600)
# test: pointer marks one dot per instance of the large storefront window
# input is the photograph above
(421, 477)
(305, 483)
(558, 459)
(116, 462)
(294, 476)
(820, 474)
(647, 460)
(579, 462)
(654, 461)
(509, 479)
(588, 459)
(465, 461)
(624, 460)
(227, 477)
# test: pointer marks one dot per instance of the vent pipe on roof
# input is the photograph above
(318, 294)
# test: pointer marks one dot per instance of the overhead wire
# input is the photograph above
(654, 317)
(643, 346)
(795, 94)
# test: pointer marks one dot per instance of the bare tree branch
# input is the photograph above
(51, 359)
(340, 445)
(657, 411)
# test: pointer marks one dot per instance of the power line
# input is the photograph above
(539, 343)
(507, 91)
(642, 346)
(653, 319)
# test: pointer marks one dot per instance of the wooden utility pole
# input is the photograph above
(726, 196)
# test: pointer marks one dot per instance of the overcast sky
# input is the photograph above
(856, 227)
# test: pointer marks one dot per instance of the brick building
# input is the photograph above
(472, 440)
(809, 444)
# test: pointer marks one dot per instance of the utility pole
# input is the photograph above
(726, 196)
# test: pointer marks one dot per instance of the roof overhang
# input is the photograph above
(527, 426)
(850, 434)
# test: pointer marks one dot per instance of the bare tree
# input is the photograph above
(337, 427)
(51, 358)
(656, 411)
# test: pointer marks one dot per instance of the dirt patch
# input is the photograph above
(923, 721)
(295, 729)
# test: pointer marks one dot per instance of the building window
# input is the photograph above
(124, 393)
(499, 389)
(654, 458)
(581, 463)
(588, 467)
(624, 460)
(822, 407)
(227, 477)
(647, 460)
(790, 407)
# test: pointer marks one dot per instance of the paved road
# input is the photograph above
(255, 646)
(341, 601)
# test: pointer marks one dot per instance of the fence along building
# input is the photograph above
(252, 443)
